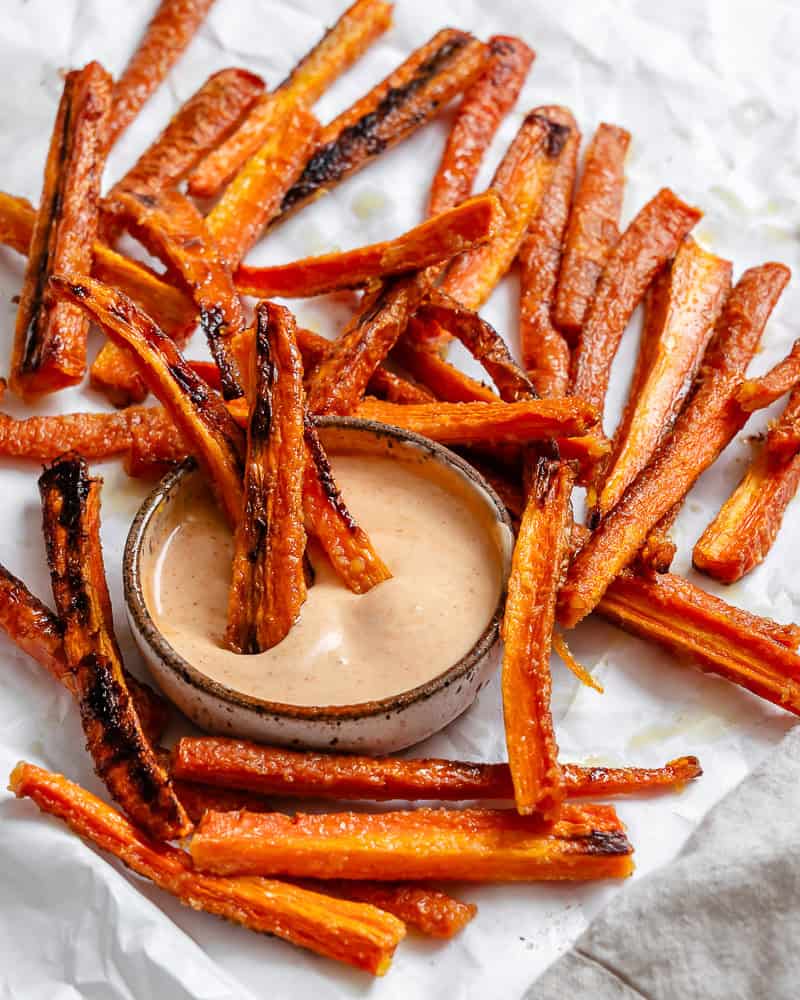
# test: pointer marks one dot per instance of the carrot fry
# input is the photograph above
(171, 228)
(783, 437)
(438, 239)
(268, 587)
(17, 219)
(337, 50)
(254, 196)
(565, 655)
(123, 758)
(329, 521)
(35, 629)
(470, 845)
(444, 380)
(593, 227)
(484, 105)
(758, 393)
(408, 98)
(545, 352)
(166, 37)
(50, 341)
(250, 767)
(670, 357)
(355, 933)
(395, 389)
(647, 244)
(659, 549)
(717, 637)
(198, 413)
(706, 426)
(200, 799)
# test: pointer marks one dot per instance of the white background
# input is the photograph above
(709, 90)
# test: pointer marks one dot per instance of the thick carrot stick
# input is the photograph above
(444, 380)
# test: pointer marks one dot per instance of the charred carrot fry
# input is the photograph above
(166, 37)
(438, 239)
(758, 393)
(545, 352)
(268, 587)
(254, 196)
(395, 389)
(783, 437)
(444, 380)
(484, 105)
(717, 637)
(670, 357)
(198, 413)
(659, 549)
(593, 227)
(50, 340)
(473, 845)
(123, 757)
(354, 933)
(250, 767)
(171, 228)
(705, 427)
(647, 244)
(338, 49)
(327, 518)
(408, 98)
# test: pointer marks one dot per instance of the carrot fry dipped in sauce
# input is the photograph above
(483, 107)
(706, 426)
(593, 227)
(268, 586)
(455, 230)
(122, 755)
(168, 34)
(758, 393)
(589, 842)
(49, 349)
(338, 49)
(669, 357)
(199, 414)
(355, 933)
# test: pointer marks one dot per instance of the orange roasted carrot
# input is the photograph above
(17, 219)
(593, 227)
(409, 97)
(659, 548)
(250, 767)
(758, 393)
(93, 435)
(438, 239)
(471, 845)
(198, 412)
(705, 427)
(168, 34)
(268, 585)
(484, 105)
(783, 436)
(254, 196)
(354, 933)
(670, 357)
(647, 244)
(338, 49)
(430, 911)
(122, 755)
(545, 352)
(444, 380)
(559, 644)
(50, 339)
(199, 799)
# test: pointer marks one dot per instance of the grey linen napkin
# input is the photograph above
(723, 920)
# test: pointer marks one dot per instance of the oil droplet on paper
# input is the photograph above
(368, 203)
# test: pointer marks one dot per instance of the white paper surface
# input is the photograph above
(708, 88)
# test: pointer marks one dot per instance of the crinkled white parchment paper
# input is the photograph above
(709, 89)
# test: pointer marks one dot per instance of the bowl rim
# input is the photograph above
(172, 659)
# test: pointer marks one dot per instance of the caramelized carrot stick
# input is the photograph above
(354, 933)
(408, 98)
(438, 239)
(705, 427)
(166, 37)
(758, 393)
(123, 758)
(699, 283)
(647, 244)
(484, 105)
(327, 518)
(430, 911)
(93, 435)
(200, 799)
(250, 767)
(443, 844)
(17, 219)
(659, 549)
(338, 49)
(50, 340)
(783, 437)
(593, 227)
(545, 352)
(197, 411)
(268, 586)
(254, 196)
(444, 380)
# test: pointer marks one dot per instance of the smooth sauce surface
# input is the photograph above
(439, 542)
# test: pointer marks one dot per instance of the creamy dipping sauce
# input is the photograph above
(437, 537)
